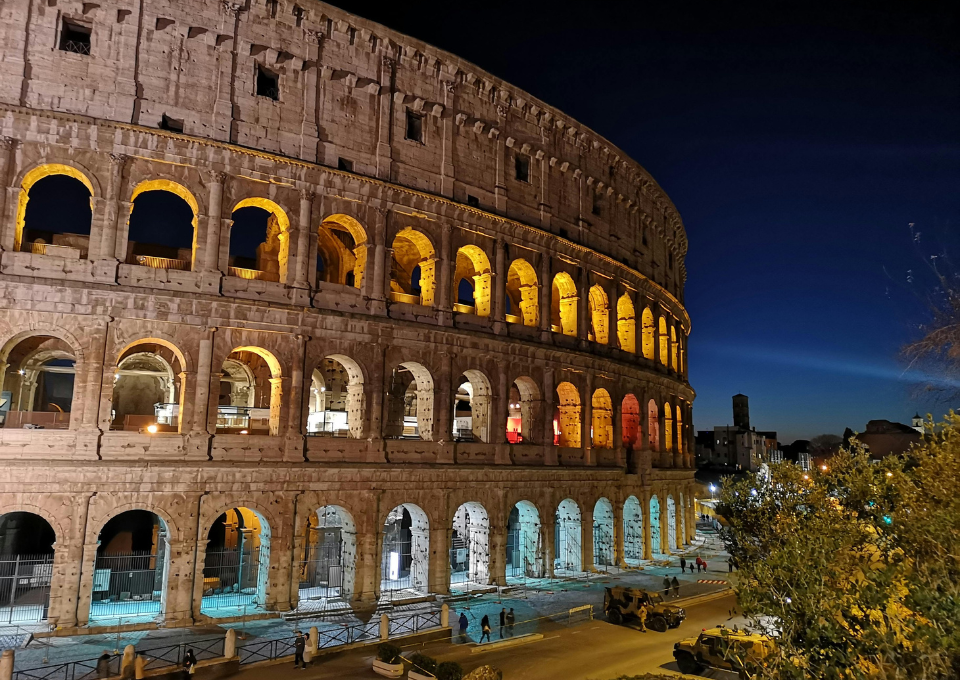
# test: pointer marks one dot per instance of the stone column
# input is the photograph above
(613, 319)
(619, 551)
(447, 167)
(11, 192)
(208, 250)
(440, 540)
(549, 401)
(385, 119)
(201, 402)
(297, 415)
(304, 227)
(678, 435)
(104, 247)
(445, 294)
(617, 443)
(586, 428)
(500, 282)
(547, 528)
(498, 550)
(98, 388)
(586, 540)
(583, 308)
(67, 562)
(546, 292)
(367, 584)
(500, 185)
(647, 534)
(656, 337)
(664, 456)
(501, 411)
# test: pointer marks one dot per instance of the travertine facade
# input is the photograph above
(431, 236)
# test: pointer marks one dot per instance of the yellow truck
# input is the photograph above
(723, 648)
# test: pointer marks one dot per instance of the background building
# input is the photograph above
(737, 447)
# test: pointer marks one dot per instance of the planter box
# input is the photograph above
(414, 675)
(388, 670)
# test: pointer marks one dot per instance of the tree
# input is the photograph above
(855, 570)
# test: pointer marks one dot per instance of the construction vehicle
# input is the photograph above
(621, 604)
(727, 649)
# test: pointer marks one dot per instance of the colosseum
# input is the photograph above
(300, 311)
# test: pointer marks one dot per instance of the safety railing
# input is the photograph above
(65, 252)
(266, 650)
(347, 635)
(161, 262)
(414, 623)
(71, 670)
(172, 655)
(252, 274)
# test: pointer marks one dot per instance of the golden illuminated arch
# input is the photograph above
(564, 304)
(668, 426)
(178, 190)
(35, 175)
(602, 425)
(679, 431)
(473, 265)
(523, 289)
(336, 254)
(664, 342)
(599, 315)
(673, 348)
(411, 249)
(626, 324)
(568, 406)
(276, 384)
(267, 356)
(647, 334)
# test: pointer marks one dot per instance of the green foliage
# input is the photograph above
(449, 670)
(422, 662)
(388, 653)
(856, 570)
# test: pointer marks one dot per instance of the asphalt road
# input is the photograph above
(594, 650)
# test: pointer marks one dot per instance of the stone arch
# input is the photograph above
(673, 348)
(243, 413)
(28, 547)
(667, 426)
(236, 562)
(524, 542)
(523, 411)
(653, 425)
(328, 558)
(632, 531)
(413, 271)
(470, 546)
(337, 402)
(647, 334)
(655, 546)
(342, 247)
(603, 534)
(567, 419)
(405, 558)
(626, 324)
(272, 257)
(472, 407)
(602, 426)
(567, 544)
(410, 404)
(38, 368)
(149, 389)
(671, 523)
(631, 433)
(563, 305)
(474, 276)
(664, 342)
(167, 249)
(599, 315)
(523, 293)
(40, 172)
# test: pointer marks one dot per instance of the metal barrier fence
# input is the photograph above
(414, 623)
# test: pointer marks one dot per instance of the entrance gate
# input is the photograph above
(25, 588)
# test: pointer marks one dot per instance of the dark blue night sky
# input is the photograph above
(798, 142)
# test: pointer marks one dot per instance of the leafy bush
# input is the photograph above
(423, 663)
(449, 670)
(388, 653)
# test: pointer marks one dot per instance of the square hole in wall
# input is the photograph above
(75, 37)
(171, 124)
(344, 164)
(268, 83)
(522, 167)
(414, 127)
(473, 201)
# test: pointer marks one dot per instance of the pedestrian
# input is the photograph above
(704, 566)
(699, 562)
(103, 665)
(503, 620)
(730, 566)
(463, 627)
(511, 620)
(485, 628)
(299, 645)
(642, 618)
(691, 567)
(189, 664)
(666, 586)
(683, 565)
(676, 587)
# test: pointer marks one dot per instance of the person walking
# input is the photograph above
(666, 586)
(683, 565)
(676, 587)
(699, 562)
(511, 620)
(485, 628)
(103, 665)
(642, 618)
(730, 566)
(463, 627)
(299, 645)
(503, 620)
(189, 664)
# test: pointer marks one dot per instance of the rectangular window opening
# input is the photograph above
(473, 201)
(75, 37)
(171, 124)
(298, 14)
(344, 164)
(644, 236)
(596, 205)
(268, 84)
(272, 6)
(414, 127)
(522, 167)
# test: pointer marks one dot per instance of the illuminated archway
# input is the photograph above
(162, 230)
(524, 544)
(647, 333)
(27, 542)
(602, 426)
(39, 375)
(679, 430)
(664, 342)
(470, 546)
(523, 411)
(567, 420)
(413, 271)
(342, 247)
(328, 560)
(603, 551)
(563, 308)
(626, 324)
(337, 404)
(567, 546)
(630, 422)
(599, 315)
(523, 294)
(673, 348)
(653, 425)
(251, 392)
(472, 281)
(632, 531)
(472, 406)
(410, 403)
(405, 559)
(259, 241)
(236, 565)
(668, 426)
(79, 242)
(148, 388)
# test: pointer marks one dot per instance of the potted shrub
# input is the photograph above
(388, 663)
(422, 667)
(449, 670)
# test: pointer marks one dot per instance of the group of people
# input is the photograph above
(507, 620)
(700, 564)
(668, 584)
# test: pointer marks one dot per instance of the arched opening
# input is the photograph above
(342, 248)
(563, 305)
(336, 404)
(683, 521)
(413, 269)
(567, 550)
(655, 547)
(522, 411)
(259, 241)
(599, 315)
(472, 281)
(523, 304)
(673, 348)
(55, 212)
(39, 377)
(406, 553)
(626, 324)
(524, 548)
(250, 393)
(664, 342)
(602, 427)
(647, 333)
(671, 523)
(328, 562)
(237, 564)
(26, 567)
(148, 388)
(653, 425)
(630, 422)
(603, 552)
(410, 403)
(162, 230)
(130, 572)
(470, 547)
(668, 427)
(472, 407)
(566, 421)
(632, 531)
